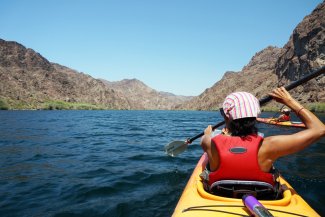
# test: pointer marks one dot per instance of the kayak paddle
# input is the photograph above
(280, 110)
(176, 147)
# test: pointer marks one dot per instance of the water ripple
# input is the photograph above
(112, 163)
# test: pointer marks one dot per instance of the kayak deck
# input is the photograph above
(195, 201)
(282, 123)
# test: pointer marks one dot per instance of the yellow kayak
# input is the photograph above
(195, 201)
(282, 123)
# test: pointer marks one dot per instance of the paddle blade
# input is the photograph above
(175, 148)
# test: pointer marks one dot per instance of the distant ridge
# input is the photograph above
(141, 96)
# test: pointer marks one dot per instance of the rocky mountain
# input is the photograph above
(257, 77)
(272, 67)
(143, 97)
(304, 52)
(28, 80)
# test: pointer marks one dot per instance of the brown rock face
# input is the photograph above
(16, 56)
(304, 53)
(27, 78)
(257, 78)
(273, 67)
(140, 96)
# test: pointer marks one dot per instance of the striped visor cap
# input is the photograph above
(241, 105)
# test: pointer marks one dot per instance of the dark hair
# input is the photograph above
(243, 127)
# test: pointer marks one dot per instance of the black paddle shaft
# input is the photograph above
(269, 98)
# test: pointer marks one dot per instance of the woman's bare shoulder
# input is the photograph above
(271, 147)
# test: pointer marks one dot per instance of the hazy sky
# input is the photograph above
(177, 46)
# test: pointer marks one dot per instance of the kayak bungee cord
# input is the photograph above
(213, 210)
(290, 213)
(205, 208)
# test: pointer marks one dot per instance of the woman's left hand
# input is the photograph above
(208, 130)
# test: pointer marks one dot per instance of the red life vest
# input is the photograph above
(238, 159)
(284, 117)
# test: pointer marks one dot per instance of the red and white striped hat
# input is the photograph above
(241, 105)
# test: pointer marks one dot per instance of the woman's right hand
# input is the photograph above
(282, 145)
(281, 95)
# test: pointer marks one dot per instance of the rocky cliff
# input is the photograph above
(28, 80)
(304, 52)
(273, 67)
(257, 77)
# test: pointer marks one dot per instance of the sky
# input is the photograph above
(176, 46)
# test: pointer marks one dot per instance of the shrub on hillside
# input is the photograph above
(317, 107)
(3, 105)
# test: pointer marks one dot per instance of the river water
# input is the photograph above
(112, 163)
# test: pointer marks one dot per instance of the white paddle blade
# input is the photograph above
(175, 148)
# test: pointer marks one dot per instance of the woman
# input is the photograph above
(285, 116)
(240, 153)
